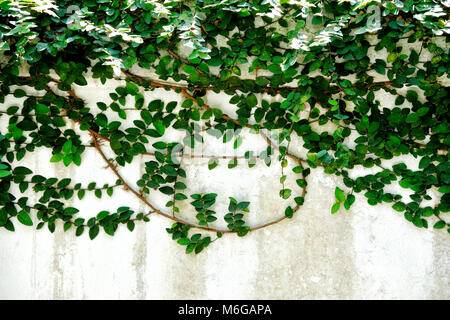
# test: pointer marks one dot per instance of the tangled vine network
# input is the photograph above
(323, 63)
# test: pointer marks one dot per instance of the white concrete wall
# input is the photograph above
(366, 252)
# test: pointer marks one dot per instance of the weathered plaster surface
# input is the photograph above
(366, 252)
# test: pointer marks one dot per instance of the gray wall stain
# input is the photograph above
(63, 247)
(58, 268)
(309, 256)
(140, 249)
(184, 275)
(140, 260)
(440, 286)
(33, 269)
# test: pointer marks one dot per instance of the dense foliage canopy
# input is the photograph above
(327, 60)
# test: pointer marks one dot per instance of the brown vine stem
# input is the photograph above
(140, 196)
(193, 156)
(159, 212)
(266, 138)
(95, 135)
(277, 90)
(189, 96)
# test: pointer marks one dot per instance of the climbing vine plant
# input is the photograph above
(322, 62)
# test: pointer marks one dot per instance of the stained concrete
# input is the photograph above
(366, 252)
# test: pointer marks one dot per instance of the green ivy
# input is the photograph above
(314, 56)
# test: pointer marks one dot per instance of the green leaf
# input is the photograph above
(159, 126)
(190, 248)
(4, 173)
(289, 212)
(424, 162)
(232, 163)
(166, 190)
(335, 207)
(243, 231)
(187, 103)
(81, 194)
(24, 218)
(212, 163)
(67, 225)
(21, 171)
(63, 183)
(242, 205)
(93, 232)
(412, 117)
(251, 100)
(422, 111)
(315, 65)
(180, 196)
(189, 69)
(42, 109)
(184, 241)
(262, 81)
(19, 93)
(70, 211)
(349, 201)
(146, 116)
(399, 206)
(275, 68)
(57, 157)
(237, 143)
(339, 194)
(285, 193)
(79, 231)
(67, 159)
(301, 183)
(414, 57)
(132, 88)
(439, 225)
(130, 225)
(67, 147)
(395, 140)
(102, 214)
